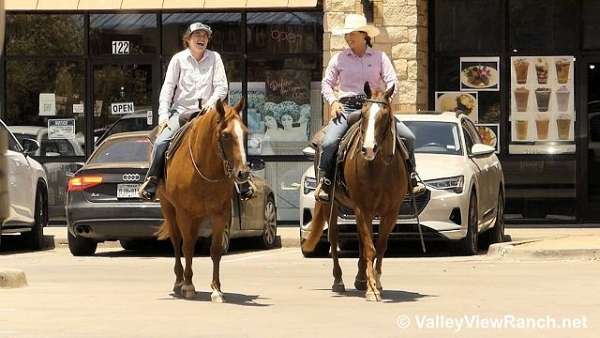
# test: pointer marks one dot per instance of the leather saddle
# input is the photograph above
(346, 142)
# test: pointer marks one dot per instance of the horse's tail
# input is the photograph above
(317, 225)
(164, 231)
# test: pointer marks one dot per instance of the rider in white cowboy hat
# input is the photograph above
(348, 71)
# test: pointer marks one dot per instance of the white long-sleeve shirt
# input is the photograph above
(188, 80)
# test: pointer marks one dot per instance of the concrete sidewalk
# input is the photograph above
(551, 243)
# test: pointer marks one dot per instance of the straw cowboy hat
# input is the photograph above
(356, 23)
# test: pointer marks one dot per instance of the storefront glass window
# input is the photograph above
(285, 105)
(47, 97)
(45, 102)
(279, 32)
(226, 27)
(124, 34)
(284, 178)
(468, 25)
(591, 24)
(44, 34)
(541, 24)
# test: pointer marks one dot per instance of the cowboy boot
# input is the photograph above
(415, 187)
(148, 188)
(323, 188)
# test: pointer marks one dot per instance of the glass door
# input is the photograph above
(591, 164)
(125, 98)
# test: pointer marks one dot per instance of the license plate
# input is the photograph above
(128, 190)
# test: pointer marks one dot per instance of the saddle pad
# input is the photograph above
(176, 141)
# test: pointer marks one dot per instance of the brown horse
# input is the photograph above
(376, 184)
(199, 185)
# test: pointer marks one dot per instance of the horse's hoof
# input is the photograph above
(177, 288)
(373, 296)
(217, 297)
(188, 291)
(338, 287)
(360, 285)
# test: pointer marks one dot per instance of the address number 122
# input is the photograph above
(120, 47)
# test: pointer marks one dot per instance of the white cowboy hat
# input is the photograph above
(357, 23)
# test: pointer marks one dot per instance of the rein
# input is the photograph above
(227, 165)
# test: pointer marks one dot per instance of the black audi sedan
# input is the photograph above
(103, 203)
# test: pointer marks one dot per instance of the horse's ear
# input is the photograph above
(220, 110)
(390, 92)
(240, 105)
(367, 89)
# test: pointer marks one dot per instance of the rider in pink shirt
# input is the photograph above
(346, 74)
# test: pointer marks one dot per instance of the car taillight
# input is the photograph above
(81, 183)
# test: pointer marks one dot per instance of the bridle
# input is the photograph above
(227, 163)
(388, 126)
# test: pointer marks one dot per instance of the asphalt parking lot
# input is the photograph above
(277, 293)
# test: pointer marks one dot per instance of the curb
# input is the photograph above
(12, 278)
(286, 242)
(514, 250)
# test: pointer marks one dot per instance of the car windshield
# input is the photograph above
(123, 150)
(433, 137)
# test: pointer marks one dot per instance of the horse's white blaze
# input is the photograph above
(369, 142)
(239, 133)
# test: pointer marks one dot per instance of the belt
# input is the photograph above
(353, 100)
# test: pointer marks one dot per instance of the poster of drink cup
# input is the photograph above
(542, 105)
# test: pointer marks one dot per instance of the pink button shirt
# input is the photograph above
(348, 73)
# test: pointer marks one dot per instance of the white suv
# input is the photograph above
(27, 192)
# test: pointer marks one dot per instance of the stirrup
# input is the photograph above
(247, 192)
(416, 187)
(323, 190)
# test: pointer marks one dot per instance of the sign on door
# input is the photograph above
(121, 108)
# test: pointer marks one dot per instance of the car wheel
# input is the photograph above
(81, 246)
(132, 244)
(269, 236)
(496, 234)
(469, 244)
(321, 250)
(35, 237)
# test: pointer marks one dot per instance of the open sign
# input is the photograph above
(122, 108)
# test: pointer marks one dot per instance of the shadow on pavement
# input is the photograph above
(388, 296)
(230, 298)
(15, 244)
(165, 249)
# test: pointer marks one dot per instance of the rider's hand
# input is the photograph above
(337, 109)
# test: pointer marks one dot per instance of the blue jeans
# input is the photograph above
(161, 144)
(338, 127)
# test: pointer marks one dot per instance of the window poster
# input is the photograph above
(542, 106)
(465, 102)
(480, 73)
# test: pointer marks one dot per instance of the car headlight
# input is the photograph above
(450, 183)
(310, 184)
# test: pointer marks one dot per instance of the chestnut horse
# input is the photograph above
(376, 183)
(199, 185)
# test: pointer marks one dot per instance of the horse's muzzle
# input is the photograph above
(369, 153)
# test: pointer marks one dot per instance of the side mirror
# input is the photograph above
(482, 149)
(309, 152)
(30, 146)
(257, 164)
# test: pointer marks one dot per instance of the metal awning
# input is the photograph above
(83, 5)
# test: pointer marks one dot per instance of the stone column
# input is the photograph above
(3, 177)
(403, 25)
